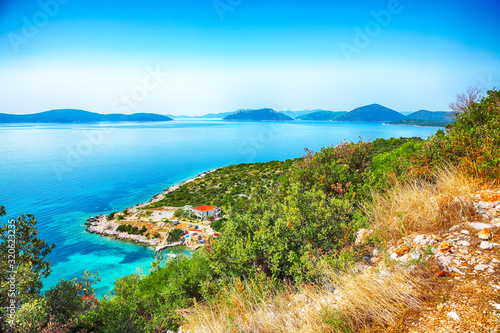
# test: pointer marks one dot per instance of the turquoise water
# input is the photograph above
(65, 173)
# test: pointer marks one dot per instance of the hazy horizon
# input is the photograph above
(197, 57)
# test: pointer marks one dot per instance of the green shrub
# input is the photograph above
(175, 234)
(31, 315)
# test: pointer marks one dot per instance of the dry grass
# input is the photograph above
(359, 303)
(420, 206)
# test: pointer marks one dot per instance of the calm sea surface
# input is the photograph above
(65, 173)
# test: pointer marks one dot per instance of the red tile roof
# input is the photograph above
(205, 208)
(195, 230)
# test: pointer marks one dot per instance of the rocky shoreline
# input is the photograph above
(100, 225)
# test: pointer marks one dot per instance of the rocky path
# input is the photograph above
(467, 261)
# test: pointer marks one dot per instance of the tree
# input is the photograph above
(22, 264)
(465, 100)
(23, 252)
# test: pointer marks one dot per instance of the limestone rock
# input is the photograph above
(402, 249)
(362, 235)
(478, 226)
(445, 247)
(484, 234)
(453, 315)
(486, 245)
(481, 267)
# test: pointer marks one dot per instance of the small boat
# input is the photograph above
(172, 255)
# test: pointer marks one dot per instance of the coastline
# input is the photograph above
(100, 225)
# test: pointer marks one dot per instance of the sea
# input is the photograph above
(65, 173)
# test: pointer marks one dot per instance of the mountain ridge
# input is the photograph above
(78, 116)
(265, 114)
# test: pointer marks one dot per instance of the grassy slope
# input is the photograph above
(226, 187)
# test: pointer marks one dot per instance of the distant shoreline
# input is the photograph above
(100, 225)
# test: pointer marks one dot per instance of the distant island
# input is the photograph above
(79, 116)
(258, 115)
(419, 122)
(322, 115)
(368, 113)
(432, 115)
(372, 113)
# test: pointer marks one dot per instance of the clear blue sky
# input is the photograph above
(217, 56)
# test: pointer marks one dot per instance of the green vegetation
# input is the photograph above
(419, 122)
(226, 187)
(295, 218)
(218, 224)
(111, 216)
(133, 230)
(175, 235)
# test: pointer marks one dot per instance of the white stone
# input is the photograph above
(376, 252)
(420, 239)
(480, 267)
(486, 245)
(404, 258)
(486, 204)
(453, 315)
(479, 225)
(495, 261)
(463, 243)
(496, 306)
(394, 256)
(465, 232)
(415, 255)
(362, 234)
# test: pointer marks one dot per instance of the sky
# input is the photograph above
(194, 57)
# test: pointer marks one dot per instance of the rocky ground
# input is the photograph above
(100, 225)
(466, 258)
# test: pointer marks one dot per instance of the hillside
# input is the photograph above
(78, 116)
(372, 113)
(258, 115)
(431, 115)
(322, 115)
(295, 114)
(419, 122)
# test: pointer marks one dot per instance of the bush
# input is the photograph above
(175, 234)
(31, 315)
(111, 216)
(472, 142)
(218, 224)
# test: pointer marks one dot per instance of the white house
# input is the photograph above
(203, 212)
